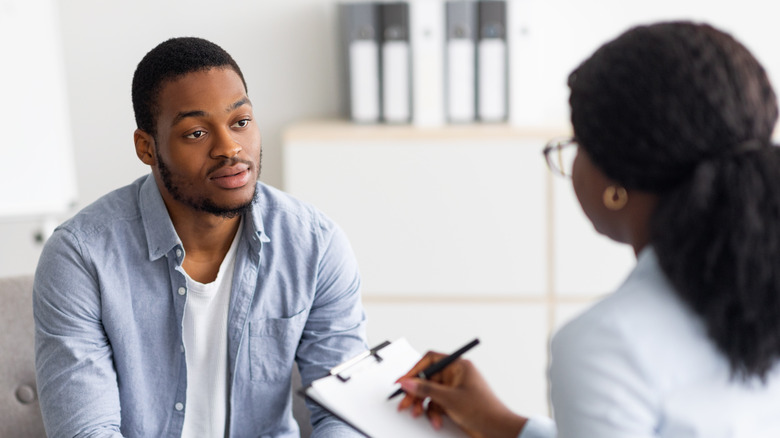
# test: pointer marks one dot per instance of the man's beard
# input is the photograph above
(202, 203)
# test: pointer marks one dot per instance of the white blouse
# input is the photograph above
(640, 364)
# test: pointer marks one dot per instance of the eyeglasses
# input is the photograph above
(560, 154)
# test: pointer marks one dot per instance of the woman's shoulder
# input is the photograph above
(645, 300)
(641, 360)
(643, 323)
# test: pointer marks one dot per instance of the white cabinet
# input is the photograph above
(431, 216)
(460, 232)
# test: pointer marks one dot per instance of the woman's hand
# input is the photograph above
(461, 393)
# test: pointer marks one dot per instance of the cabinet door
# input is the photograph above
(432, 217)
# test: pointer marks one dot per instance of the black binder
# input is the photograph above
(396, 63)
(492, 62)
(360, 28)
(461, 30)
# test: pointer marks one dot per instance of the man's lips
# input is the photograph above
(223, 172)
(231, 177)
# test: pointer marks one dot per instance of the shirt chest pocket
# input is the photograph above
(272, 346)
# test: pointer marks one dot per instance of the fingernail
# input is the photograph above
(409, 385)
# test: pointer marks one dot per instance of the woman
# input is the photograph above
(672, 127)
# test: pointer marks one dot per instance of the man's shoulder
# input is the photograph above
(277, 206)
(119, 205)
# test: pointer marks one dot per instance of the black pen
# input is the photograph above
(435, 368)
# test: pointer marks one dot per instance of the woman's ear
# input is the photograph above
(615, 197)
(144, 147)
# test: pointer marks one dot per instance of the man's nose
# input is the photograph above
(225, 146)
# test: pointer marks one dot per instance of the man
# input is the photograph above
(177, 305)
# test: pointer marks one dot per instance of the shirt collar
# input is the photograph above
(254, 218)
(647, 256)
(161, 236)
(647, 262)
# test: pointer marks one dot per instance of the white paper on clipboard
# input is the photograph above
(358, 395)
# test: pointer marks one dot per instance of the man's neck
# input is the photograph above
(205, 249)
(206, 239)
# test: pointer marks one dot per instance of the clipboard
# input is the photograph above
(356, 391)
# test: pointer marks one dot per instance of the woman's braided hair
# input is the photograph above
(685, 111)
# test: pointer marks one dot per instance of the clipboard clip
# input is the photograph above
(339, 370)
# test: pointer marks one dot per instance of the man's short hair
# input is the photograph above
(169, 61)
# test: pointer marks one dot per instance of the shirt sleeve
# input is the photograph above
(335, 329)
(76, 380)
(597, 385)
(538, 427)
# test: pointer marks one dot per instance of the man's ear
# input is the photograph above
(144, 147)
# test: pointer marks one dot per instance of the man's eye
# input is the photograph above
(196, 134)
(242, 123)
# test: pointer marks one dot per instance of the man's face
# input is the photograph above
(207, 144)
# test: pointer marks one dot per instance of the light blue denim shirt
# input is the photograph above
(109, 301)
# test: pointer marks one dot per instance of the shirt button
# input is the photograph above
(178, 252)
(182, 291)
(179, 406)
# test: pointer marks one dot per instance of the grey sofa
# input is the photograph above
(20, 414)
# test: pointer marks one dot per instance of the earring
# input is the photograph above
(615, 198)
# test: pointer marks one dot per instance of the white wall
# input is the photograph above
(288, 52)
(562, 33)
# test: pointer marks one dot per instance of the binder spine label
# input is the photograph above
(395, 77)
(460, 80)
(492, 80)
(364, 80)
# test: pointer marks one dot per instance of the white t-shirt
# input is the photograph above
(205, 345)
(640, 364)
